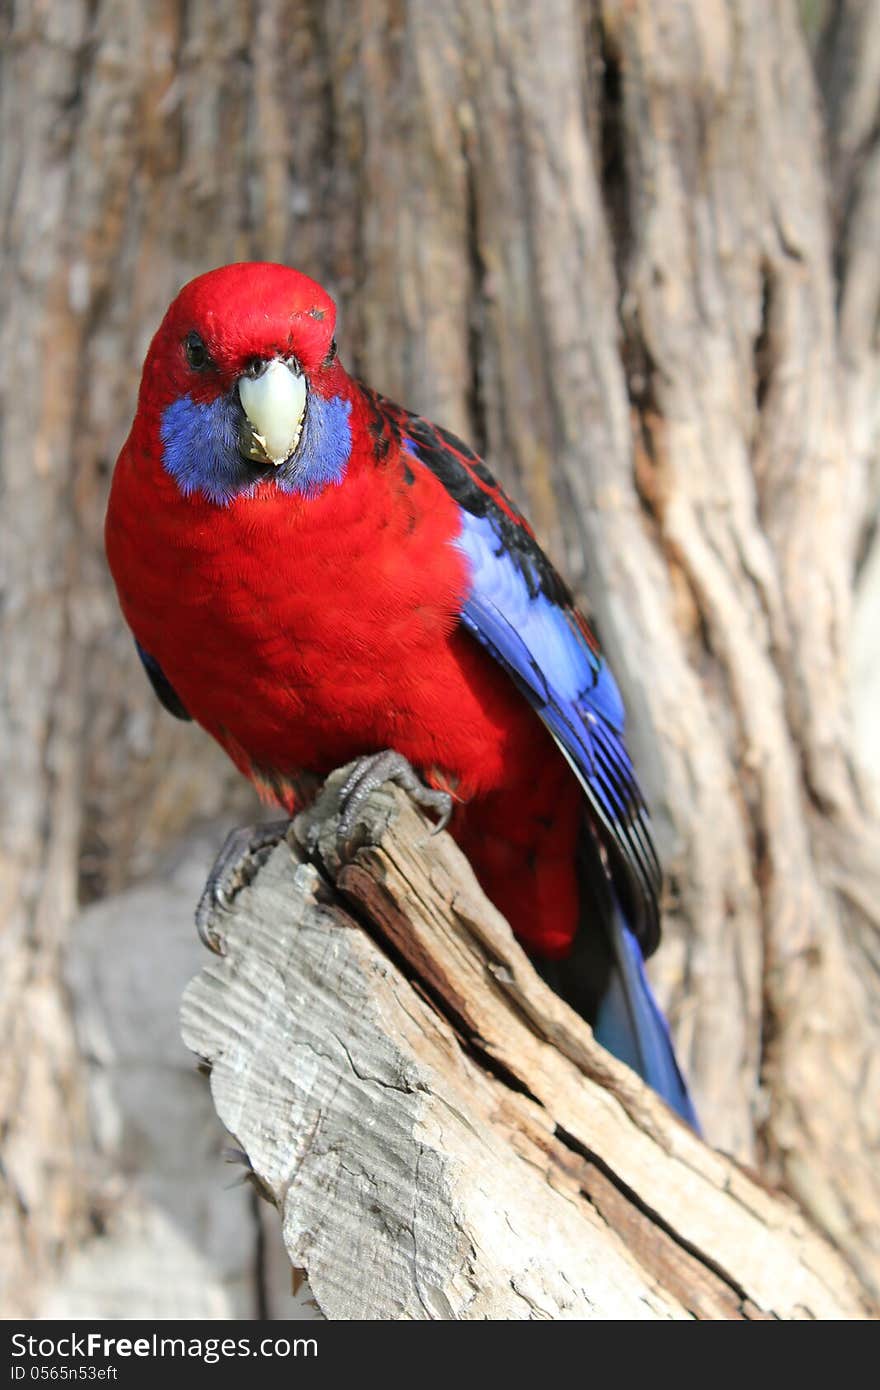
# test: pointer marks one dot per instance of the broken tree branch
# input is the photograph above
(441, 1134)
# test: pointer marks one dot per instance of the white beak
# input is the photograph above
(275, 404)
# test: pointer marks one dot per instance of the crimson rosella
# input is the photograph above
(316, 575)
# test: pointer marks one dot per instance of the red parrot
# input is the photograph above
(316, 575)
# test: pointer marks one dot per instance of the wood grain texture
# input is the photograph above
(440, 1133)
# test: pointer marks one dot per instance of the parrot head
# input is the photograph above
(243, 385)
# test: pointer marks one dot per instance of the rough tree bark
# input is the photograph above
(442, 1136)
(849, 67)
(595, 238)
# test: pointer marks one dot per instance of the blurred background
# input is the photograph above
(630, 249)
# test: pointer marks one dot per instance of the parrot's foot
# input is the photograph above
(244, 850)
(369, 773)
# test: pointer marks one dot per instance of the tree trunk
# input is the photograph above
(597, 239)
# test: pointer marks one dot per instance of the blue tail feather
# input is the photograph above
(604, 979)
(629, 1023)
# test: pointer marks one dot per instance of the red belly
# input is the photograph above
(302, 640)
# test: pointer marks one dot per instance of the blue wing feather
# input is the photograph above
(543, 646)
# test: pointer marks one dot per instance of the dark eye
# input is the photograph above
(197, 354)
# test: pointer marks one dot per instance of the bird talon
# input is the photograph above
(369, 773)
(445, 815)
(222, 899)
(233, 868)
(207, 935)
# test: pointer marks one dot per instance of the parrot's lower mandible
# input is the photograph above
(316, 575)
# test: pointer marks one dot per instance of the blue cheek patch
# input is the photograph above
(324, 449)
(200, 449)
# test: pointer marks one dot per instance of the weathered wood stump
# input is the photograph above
(441, 1134)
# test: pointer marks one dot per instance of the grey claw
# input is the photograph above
(208, 937)
(234, 866)
(369, 773)
(445, 815)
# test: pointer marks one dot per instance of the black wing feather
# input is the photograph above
(168, 696)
